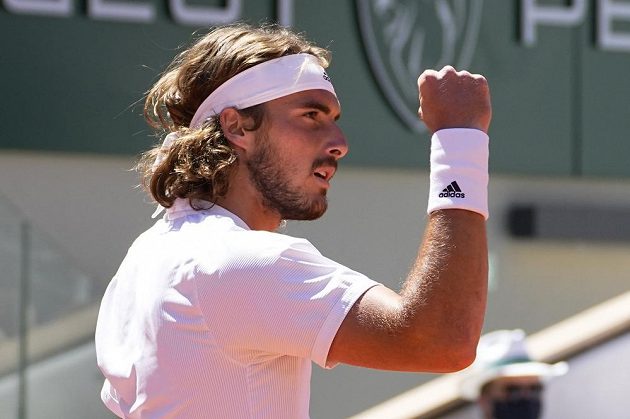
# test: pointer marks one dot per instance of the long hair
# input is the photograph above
(199, 163)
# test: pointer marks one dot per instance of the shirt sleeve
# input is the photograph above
(110, 399)
(284, 298)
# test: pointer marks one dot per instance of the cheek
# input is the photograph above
(295, 148)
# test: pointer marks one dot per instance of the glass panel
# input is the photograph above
(10, 267)
(47, 312)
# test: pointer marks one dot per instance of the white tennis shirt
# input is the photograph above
(206, 318)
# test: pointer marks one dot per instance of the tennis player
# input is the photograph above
(212, 313)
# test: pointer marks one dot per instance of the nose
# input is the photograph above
(338, 145)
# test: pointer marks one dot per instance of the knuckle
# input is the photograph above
(480, 79)
(428, 74)
(447, 71)
(464, 73)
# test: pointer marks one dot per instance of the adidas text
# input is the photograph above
(452, 195)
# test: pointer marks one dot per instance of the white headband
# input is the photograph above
(264, 82)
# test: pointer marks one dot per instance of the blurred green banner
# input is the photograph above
(74, 72)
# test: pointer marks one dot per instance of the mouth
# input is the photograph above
(324, 173)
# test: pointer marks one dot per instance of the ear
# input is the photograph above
(232, 125)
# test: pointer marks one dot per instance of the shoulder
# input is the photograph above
(268, 262)
(265, 248)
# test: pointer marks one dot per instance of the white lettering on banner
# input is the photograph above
(608, 11)
(120, 11)
(134, 11)
(607, 38)
(534, 14)
(187, 14)
(59, 8)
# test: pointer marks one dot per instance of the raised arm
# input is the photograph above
(434, 323)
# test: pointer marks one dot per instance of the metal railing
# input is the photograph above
(47, 304)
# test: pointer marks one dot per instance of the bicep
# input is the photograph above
(373, 334)
(434, 325)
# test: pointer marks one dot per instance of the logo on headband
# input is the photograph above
(403, 38)
(326, 77)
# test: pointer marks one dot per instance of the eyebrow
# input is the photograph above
(319, 106)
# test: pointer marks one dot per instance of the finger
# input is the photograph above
(447, 70)
(427, 75)
(479, 79)
(464, 73)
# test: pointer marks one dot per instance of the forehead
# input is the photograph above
(317, 98)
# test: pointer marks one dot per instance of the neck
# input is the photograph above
(245, 201)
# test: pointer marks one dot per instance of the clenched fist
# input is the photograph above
(454, 99)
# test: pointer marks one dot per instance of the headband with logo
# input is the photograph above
(264, 82)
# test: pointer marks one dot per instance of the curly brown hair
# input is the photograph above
(199, 163)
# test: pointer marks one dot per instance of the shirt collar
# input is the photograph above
(181, 208)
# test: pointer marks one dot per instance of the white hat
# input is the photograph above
(503, 353)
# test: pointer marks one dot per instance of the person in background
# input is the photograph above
(505, 382)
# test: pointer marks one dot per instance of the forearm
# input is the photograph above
(444, 296)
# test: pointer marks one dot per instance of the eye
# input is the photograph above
(311, 114)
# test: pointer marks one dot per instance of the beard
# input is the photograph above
(272, 179)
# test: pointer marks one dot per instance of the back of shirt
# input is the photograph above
(206, 318)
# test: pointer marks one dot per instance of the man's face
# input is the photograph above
(512, 397)
(296, 153)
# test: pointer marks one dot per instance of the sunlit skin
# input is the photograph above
(506, 388)
(288, 162)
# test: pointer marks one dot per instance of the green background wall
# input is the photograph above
(560, 107)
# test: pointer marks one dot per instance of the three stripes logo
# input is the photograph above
(452, 191)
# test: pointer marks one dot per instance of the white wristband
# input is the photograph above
(459, 170)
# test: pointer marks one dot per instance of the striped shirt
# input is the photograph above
(206, 318)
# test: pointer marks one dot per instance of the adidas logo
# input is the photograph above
(326, 76)
(452, 191)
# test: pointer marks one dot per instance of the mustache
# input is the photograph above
(328, 161)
